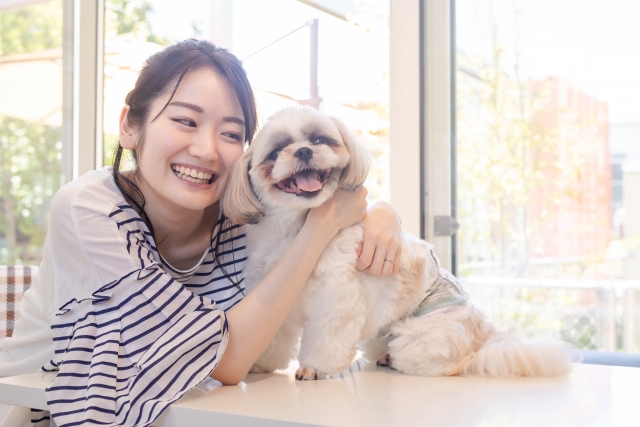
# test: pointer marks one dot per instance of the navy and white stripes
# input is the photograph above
(141, 342)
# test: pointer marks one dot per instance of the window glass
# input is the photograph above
(548, 166)
(274, 40)
(31, 149)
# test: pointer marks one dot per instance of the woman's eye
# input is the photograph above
(232, 135)
(186, 122)
(320, 140)
(274, 154)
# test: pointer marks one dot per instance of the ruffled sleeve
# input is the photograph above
(129, 349)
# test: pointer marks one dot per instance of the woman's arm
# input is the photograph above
(254, 321)
(381, 240)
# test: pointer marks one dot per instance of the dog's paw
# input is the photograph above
(257, 369)
(384, 360)
(304, 374)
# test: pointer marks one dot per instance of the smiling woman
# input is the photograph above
(141, 279)
(202, 136)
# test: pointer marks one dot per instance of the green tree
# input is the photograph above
(131, 17)
(31, 28)
(30, 174)
(522, 159)
(512, 177)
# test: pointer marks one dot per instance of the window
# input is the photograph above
(35, 151)
(548, 172)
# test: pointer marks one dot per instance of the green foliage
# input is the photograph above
(575, 316)
(131, 17)
(519, 160)
(31, 28)
(111, 143)
(30, 174)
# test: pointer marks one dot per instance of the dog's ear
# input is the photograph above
(357, 170)
(240, 204)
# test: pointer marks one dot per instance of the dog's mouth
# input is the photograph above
(307, 183)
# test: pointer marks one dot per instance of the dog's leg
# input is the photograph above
(431, 347)
(329, 338)
(328, 350)
(280, 351)
(384, 360)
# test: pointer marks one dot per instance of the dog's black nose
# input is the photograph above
(304, 153)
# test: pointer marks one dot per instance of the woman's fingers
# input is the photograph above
(390, 261)
(343, 210)
(396, 260)
(378, 260)
(367, 249)
(374, 253)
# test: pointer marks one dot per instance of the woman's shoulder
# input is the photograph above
(95, 190)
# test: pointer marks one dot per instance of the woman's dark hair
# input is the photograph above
(160, 72)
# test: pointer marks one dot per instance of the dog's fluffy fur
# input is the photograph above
(339, 305)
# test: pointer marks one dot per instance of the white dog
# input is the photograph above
(297, 162)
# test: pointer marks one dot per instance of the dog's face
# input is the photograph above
(298, 160)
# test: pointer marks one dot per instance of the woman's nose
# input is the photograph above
(205, 147)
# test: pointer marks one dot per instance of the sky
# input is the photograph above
(592, 44)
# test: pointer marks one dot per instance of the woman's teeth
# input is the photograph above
(191, 175)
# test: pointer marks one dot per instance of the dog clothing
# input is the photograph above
(445, 295)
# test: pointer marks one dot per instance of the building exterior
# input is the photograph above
(575, 197)
(631, 206)
(625, 154)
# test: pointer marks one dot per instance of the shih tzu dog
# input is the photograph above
(422, 315)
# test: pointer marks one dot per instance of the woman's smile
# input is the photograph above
(194, 175)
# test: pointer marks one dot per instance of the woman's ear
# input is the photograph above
(357, 170)
(239, 203)
(128, 135)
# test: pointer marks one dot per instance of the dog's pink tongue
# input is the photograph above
(308, 181)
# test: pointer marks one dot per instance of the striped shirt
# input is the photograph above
(137, 334)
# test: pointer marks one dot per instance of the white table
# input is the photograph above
(592, 395)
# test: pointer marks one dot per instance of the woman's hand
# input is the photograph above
(344, 209)
(381, 240)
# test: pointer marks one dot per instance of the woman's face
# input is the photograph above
(190, 149)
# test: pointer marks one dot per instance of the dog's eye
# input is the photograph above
(274, 154)
(320, 140)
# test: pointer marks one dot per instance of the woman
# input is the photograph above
(139, 297)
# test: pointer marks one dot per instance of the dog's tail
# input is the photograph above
(502, 354)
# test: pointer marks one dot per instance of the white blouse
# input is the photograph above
(128, 333)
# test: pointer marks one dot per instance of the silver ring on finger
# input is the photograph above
(388, 260)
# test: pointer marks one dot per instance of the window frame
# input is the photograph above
(87, 93)
(422, 118)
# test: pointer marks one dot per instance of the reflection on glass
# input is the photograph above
(30, 126)
(275, 41)
(547, 167)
